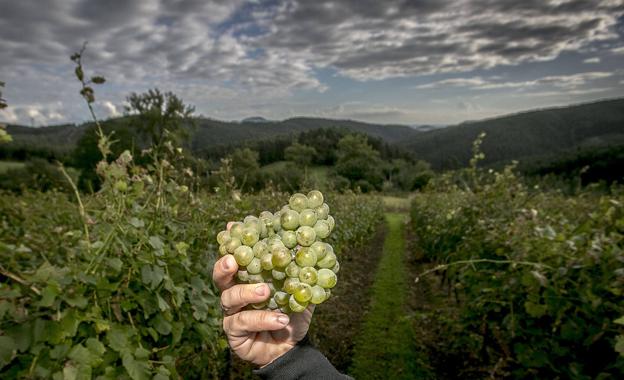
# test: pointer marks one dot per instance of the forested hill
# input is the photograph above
(209, 133)
(526, 136)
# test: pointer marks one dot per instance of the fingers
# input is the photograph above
(224, 271)
(241, 324)
(237, 297)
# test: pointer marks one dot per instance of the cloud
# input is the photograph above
(592, 60)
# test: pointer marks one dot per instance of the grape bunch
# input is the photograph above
(286, 250)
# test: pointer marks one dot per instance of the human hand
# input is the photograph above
(257, 336)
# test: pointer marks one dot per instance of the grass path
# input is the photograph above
(385, 348)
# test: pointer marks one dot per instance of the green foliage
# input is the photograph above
(3, 103)
(34, 174)
(539, 275)
(359, 163)
(160, 117)
(300, 154)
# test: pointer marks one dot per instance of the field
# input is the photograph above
(8, 165)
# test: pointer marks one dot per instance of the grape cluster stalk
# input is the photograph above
(287, 251)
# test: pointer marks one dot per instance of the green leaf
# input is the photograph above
(619, 344)
(83, 356)
(161, 325)
(98, 80)
(535, 310)
(137, 369)
(152, 275)
(619, 321)
(96, 346)
(70, 372)
(7, 348)
(136, 222)
(115, 263)
(141, 353)
(162, 304)
(59, 351)
(48, 295)
(118, 338)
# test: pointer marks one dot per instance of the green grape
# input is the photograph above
(255, 279)
(303, 293)
(250, 219)
(307, 217)
(236, 230)
(322, 229)
(260, 249)
(277, 224)
(267, 261)
(272, 304)
(260, 305)
(242, 275)
(290, 285)
(328, 261)
(336, 267)
(308, 275)
(319, 248)
(315, 198)
(328, 294)
(281, 257)
(266, 215)
(278, 274)
(281, 298)
(326, 278)
(272, 287)
(249, 236)
(243, 255)
(305, 236)
(296, 306)
(232, 245)
(322, 211)
(298, 202)
(223, 237)
(332, 222)
(289, 220)
(285, 309)
(264, 231)
(255, 266)
(305, 257)
(289, 238)
(223, 250)
(292, 270)
(318, 294)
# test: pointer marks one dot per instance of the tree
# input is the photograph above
(359, 162)
(245, 165)
(4, 136)
(300, 154)
(159, 117)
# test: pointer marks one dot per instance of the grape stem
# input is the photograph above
(19, 280)
(475, 261)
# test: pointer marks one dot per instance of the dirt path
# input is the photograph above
(386, 346)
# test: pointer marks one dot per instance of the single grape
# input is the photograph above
(326, 278)
(308, 275)
(328, 294)
(315, 198)
(277, 224)
(281, 257)
(223, 237)
(255, 279)
(292, 270)
(249, 236)
(223, 250)
(328, 261)
(332, 222)
(249, 219)
(260, 249)
(318, 294)
(296, 306)
(266, 214)
(264, 231)
(289, 238)
(278, 274)
(336, 267)
(242, 275)
(281, 298)
(305, 257)
(322, 211)
(232, 245)
(272, 304)
(322, 229)
(290, 285)
(319, 248)
(298, 202)
(243, 255)
(305, 236)
(303, 293)
(255, 266)
(267, 261)
(260, 305)
(236, 230)
(289, 220)
(307, 217)
(285, 309)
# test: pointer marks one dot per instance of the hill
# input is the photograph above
(526, 136)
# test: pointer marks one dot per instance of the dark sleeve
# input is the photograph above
(302, 362)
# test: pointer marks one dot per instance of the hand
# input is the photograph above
(258, 336)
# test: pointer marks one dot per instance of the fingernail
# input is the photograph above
(260, 290)
(227, 263)
(282, 319)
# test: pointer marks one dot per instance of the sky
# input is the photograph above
(381, 61)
